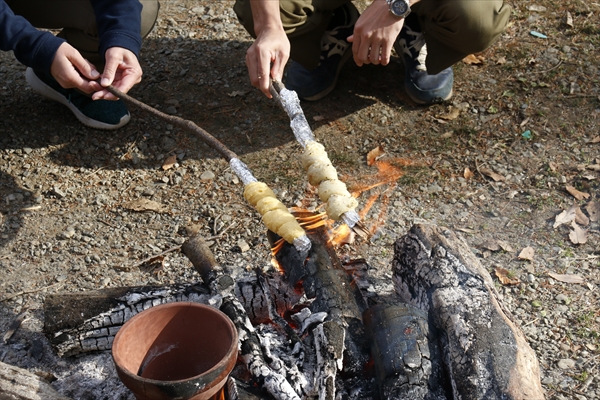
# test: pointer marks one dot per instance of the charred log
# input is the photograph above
(21, 384)
(77, 323)
(485, 353)
(406, 362)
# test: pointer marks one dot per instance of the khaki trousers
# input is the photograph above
(453, 29)
(77, 21)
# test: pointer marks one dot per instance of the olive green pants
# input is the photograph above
(453, 29)
(77, 21)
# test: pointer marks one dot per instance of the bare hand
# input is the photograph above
(267, 58)
(122, 70)
(374, 35)
(72, 71)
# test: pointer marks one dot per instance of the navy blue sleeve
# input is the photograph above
(32, 47)
(119, 24)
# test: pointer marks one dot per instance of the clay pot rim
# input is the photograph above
(227, 359)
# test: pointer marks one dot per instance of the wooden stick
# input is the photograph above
(12, 296)
(184, 123)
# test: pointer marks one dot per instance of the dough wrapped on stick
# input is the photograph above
(275, 214)
(323, 174)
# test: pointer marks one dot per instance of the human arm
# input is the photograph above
(269, 53)
(375, 33)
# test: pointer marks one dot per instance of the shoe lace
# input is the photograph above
(417, 45)
(331, 45)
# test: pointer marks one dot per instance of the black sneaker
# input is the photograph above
(335, 51)
(99, 114)
(420, 86)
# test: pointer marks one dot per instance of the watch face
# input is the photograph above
(399, 8)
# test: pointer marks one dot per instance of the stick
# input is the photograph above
(204, 135)
(30, 291)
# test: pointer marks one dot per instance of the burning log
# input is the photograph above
(485, 353)
(20, 384)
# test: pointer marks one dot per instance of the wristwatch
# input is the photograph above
(399, 8)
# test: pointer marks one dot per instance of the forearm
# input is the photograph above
(266, 15)
(119, 24)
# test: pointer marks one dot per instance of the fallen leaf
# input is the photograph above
(576, 193)
(236, 93)
(595, 167)
(375, 154)
(169, 162)
(566, 216)
(536, 8)
(566, 278)
(569, 20)
(472, 59)
(505, 246)
(553, 166)
(526, 254)
(452, 114)
(446, 135)
(504, 278)
(144, 205)
(596, 139)
(318, 118)
(466, 230)
(581, 218)
(577, 235)
(501, 61)
(468, 174)
(491, 245)
(589, 177)
(488, 172)
(593, 209)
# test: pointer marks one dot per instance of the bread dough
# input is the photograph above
(331, 187)
(321, 171)
(338, 205)
(267, 204)
(254, 191)
(313, 152)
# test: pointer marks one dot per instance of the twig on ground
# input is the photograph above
(12, 296)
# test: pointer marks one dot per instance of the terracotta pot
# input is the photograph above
(176, 351)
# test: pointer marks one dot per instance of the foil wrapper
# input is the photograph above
(302, 244)
(350, 218)
(242, 171)
(302, 130)
(290, 103)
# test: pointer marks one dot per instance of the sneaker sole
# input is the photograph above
(40, 87)
(437, 100)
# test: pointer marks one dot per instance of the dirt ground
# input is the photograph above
(518, 144)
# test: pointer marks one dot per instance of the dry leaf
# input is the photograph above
(576, 193)
(526, 254)
(466, 230)
(553, 166)
(491, 245)
(488, 172)
(596, 139)
(375, 154)
(446, 135)
(144, 205)
(318, 118)
(472, 59)
(236, 93)
(577, 235)
(593, 209)
(468, 174)
(595, 167)
(566, 278)
(589, 177)
(501, 61)
(504, 278)
(569, 20)
(452, 114)
(566, 216)
(581, 218)
(505, 246)
(169, 162)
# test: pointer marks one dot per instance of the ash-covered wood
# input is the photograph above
(20, 384)
(83, 322)
(406, 360)
(485, 354)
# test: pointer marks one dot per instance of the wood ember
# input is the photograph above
(486, 354)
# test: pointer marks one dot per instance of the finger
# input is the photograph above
(363, 53)
(110, 70)
(386, 52)
(264, 73)
(278, 66)
(356, 49)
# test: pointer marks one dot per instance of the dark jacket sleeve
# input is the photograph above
(119, 24)
(31, 46)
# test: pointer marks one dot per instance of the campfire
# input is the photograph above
(309, 329)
